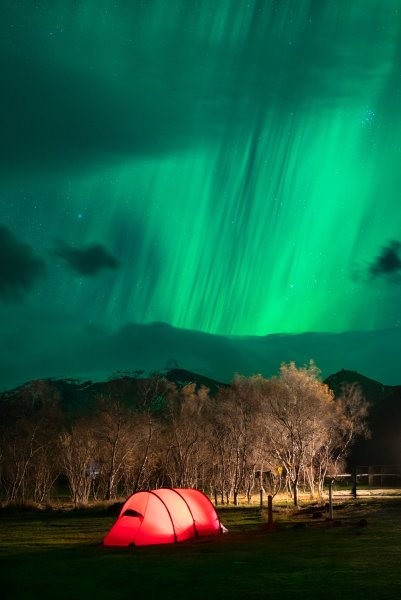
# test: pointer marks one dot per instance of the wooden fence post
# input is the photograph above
(331, 499)
(354, 482)
(270, 510)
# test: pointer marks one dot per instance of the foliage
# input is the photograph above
(254, 434)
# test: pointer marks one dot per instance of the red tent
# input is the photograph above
(163, 516)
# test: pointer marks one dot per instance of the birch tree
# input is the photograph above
(296, 405)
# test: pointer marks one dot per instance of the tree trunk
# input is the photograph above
(110, 478)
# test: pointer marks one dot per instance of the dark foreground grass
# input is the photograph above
(57, 555)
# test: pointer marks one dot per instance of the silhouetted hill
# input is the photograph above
(181, 378)
(384, 446)
(372, 390)
(74, 396)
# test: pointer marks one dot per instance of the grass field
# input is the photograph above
(58, 555)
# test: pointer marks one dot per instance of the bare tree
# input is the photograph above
(79, 458)
(296, 405)
(346, 422)
(29, 426)
(113, 426)
(184, 436)
(236, 431)
(152, 401)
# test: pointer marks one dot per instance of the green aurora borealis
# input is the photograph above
(225, 166)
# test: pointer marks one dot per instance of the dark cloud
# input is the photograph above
(388, 263)
(61, 345)
(87, 261)
(80, 119)
(58, 110)
(20, 267)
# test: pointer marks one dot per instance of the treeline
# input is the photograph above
(287, 431)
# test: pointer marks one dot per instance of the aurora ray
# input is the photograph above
(239, 161)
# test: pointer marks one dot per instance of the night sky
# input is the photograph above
(181, 178)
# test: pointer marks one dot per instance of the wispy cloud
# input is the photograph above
(87, 261)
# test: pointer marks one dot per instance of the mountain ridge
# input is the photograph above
(93, 353)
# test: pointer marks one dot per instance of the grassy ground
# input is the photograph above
(57, 555)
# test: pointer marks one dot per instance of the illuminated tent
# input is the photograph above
(164, 516)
